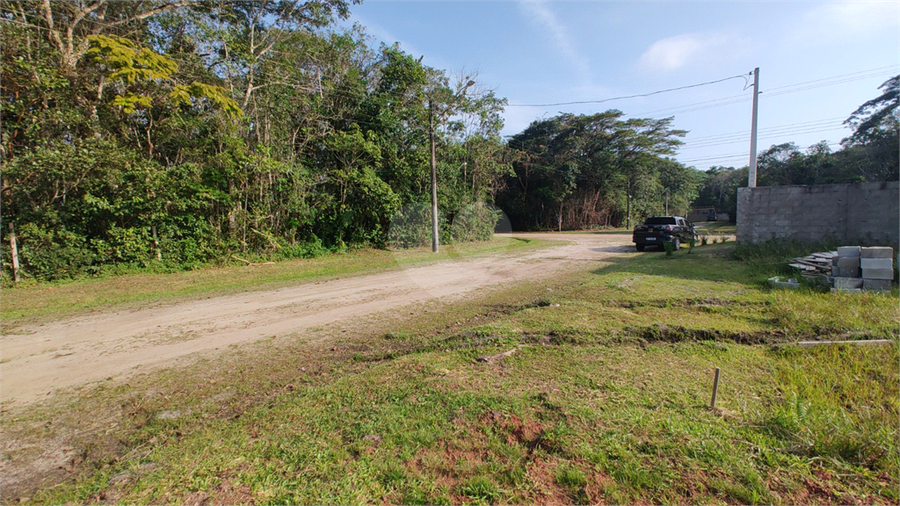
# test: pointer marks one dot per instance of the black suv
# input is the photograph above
(658, 230)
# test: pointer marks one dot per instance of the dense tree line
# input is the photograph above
(871, 153)
(173, 133)
(176, 133)
(582, 171)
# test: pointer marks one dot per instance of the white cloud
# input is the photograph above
(559, 34)
(853, 18)
(678, 51)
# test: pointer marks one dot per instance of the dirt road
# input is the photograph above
(38, 360)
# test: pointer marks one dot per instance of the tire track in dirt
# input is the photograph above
(38, 360)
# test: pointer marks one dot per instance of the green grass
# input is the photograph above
(715, 227)
(605, 400)
(32, 302)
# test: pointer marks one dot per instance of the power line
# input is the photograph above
(715, 157)
(629, 96)
(769, 129)
(890, 69)
(821, 85)
(734, 99)
(780, 90)
(768, 133)
(771, 136)
(735, 156)
(706, 104)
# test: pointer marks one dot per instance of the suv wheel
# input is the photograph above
(676, 243)
(640, 247)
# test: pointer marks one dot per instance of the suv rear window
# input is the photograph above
(660, 220)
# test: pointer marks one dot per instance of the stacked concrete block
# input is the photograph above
(877, 266)
(848, 283)
(857, 268)
(846, 265)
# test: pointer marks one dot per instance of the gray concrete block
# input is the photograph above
(876, 252)
(877, 285)
(778, 283)
(843, 283)
(847, 262)
(848, 267)
(876, 263)
(848, 251)
(878, 273)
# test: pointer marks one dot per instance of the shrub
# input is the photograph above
(475, 222)
(669, 247)
(48, 255)
(411, 227)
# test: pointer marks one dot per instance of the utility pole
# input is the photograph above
(435, 232)
(435, 229)
(751, 182)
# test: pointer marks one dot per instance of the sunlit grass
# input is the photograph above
(603, 398)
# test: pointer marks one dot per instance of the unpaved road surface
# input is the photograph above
(38, 360)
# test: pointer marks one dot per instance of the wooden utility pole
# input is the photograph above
(752, 178)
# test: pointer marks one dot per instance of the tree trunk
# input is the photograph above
(628, 210)
(15, 252)
(559, 218)
(156, 243)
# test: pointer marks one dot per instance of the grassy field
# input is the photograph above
(594, 388)
(29, 303)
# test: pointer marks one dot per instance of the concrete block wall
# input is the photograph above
(859, 213)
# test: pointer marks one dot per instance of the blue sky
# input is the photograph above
(818, 61)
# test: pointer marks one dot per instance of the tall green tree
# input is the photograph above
(878, 116)
(185, 132)
(874, 146)
(585, 170)
(719, 189)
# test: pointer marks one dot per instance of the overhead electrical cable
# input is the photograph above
(733, 156)
(853, 76)
(768, 133)
(745, 133)
(771, 92)
(706, 104)
(781, 90)
(766, 94)
(741, 76)
(769, 136)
